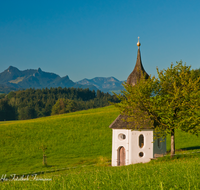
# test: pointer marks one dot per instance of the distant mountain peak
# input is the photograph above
(66, 77)
(103, 83)
(39, 70)
(12, 69)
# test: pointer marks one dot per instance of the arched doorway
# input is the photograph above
(121, 156)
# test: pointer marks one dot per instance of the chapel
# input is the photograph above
(134, 146)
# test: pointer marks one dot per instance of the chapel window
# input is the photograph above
(121, 136)
(141, 141)
(141, 154)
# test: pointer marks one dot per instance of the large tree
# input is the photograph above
(64, 106)
(169, 102)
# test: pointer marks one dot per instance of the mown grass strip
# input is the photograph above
(177, 173)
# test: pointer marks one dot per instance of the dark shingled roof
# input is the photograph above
(137, 71)
(121, 123)
(132, 79)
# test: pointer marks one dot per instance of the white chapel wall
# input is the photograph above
(117, 143)
(146, 150)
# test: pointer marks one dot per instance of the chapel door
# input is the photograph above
(122, 156)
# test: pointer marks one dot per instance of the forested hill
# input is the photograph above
(33, 103)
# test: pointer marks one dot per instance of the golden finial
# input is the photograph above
(138, 44)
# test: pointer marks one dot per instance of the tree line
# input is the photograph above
(34, 103)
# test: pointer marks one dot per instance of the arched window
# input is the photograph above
(141, 141)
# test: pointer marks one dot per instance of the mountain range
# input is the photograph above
(14, 79)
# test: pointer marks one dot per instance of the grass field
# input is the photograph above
(84, 139)
(71, 139)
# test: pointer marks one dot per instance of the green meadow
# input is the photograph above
(79, 155)
(71, 139)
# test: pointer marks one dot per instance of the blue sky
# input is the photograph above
(97, 38)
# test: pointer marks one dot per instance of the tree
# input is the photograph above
(7, 112)
(169, 102)
(27, 112)
(64, 106)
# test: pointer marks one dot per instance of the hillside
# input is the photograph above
(35, 103)
(71, 139)
(84, 138)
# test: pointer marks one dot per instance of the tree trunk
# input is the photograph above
(44, 160)
(172, 143)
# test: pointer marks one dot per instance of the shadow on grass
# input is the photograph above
(49, 166)
(188, 148)
(181, 155)
(191, 148)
